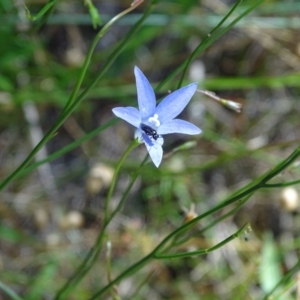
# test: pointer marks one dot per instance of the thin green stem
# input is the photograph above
(82, 270)
(133, 144)
(131, 270)
(87, 60)
(112, 57)
(47, 11)
(249, 189)
(147, 279)
(282, 184)
(203, 42)
(113, 292)
(68, 148)
(9, 292)
(211, 211)
(230, 213)
(42, 12)
(128, 189)
(287, 277)
(92, 256)
(178, 242)
(205, 251)
(205, 45)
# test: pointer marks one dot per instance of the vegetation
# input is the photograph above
(84, 212)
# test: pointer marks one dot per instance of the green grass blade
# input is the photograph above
(9, 292)
(67, 148)
(203, 42)
(208, 41)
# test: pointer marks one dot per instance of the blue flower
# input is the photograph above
(153, 121)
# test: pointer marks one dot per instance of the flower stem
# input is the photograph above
(245, 228)
(133, 144)
(92, 256)
(9, 292)
(87, 61)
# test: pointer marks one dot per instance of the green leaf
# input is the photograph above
(14, 235)
(43, 282)
(95, 16)
(270, 271)
(41, 13)
(5, 84)
(8, 291)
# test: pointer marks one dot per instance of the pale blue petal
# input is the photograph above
(174, 103)
(139, 135)
(145, 93)
(147, 140)
(154, 147)
(129, 114)
(178, 126)
(160, 140)
(155, 151)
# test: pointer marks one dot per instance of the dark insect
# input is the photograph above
(149, 131)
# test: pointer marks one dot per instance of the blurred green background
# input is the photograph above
(50, 217)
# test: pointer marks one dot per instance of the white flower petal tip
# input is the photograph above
(151, 121)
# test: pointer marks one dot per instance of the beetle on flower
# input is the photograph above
(154, 121)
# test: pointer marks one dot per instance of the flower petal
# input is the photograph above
(145, 93)
(155, 151)
(147, 140)
(139, 135)
(174, 103)
(129, 114)
(178, 126)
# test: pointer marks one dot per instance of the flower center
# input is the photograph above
(149, 131)
(155, 120)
